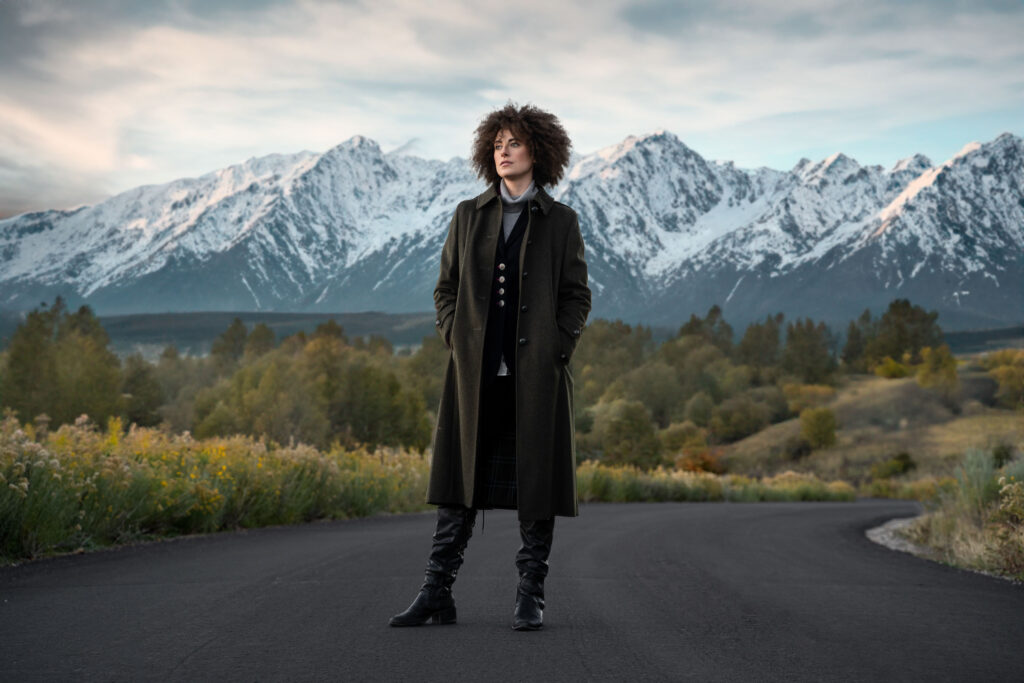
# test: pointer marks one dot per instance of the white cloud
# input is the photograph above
(117, 100)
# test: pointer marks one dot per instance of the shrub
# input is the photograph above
(699, 409)
(1007, 527)
(699, 460)
(901, 463)
(891, 369)
(1002, 454)
(1007, 368)
(738, 417)
(818, 427)
(680, 435)
(625, 434)
(977, 485)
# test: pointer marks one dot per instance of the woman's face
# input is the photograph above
(512, 159)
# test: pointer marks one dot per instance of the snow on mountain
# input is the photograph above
(965, 216)
(667, 233)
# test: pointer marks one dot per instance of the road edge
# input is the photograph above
(888, 535)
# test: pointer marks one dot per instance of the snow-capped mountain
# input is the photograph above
(667, 232)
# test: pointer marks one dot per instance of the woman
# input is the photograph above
(511, 300)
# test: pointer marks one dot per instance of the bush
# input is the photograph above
(1007, 528)
(901, 463)
(891, 369)
(1002, 454)
(818, 427)
(738, 417)
(625, 434)
(977, 485)
(1007, 368)
(681, 435)
(699, 409)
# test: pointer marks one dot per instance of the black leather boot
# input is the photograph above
(532, 562)
(434, 603)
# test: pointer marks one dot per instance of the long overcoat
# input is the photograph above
(554, 301)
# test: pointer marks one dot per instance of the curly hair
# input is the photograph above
(542, 133)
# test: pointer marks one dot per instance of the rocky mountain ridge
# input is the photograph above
(668, 233)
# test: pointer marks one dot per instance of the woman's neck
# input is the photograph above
(517, 186)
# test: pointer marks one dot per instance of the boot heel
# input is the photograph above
(445, 616)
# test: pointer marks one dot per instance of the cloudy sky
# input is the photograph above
(98, 96)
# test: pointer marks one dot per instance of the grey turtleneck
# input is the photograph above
(513, 206)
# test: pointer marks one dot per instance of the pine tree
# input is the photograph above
(759, 347)
(807, 353)
(260, 341)
(712, 329)
(230, 345)
(59, 363)
(31, 385)
(142, 392)
(904, 329)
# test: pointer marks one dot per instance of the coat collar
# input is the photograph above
(542, 198)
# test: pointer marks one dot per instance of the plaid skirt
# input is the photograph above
(496, 455)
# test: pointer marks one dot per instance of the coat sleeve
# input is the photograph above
(447, 289)
(573, 292)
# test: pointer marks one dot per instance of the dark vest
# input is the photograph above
(500, 337)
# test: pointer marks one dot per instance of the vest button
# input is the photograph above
(501, 278)
(501, 266)
(525, 274)
(501, 290)
(501, 302)
(522, 342)
(533, 208)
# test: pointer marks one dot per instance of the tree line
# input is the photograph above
(637, 401)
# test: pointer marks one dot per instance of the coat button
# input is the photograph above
(522, 342)
(437, 323)
(523, 308)
(501, 266)
(533, 208)
(501, 278)
(564, 357)
(576, 333)
(501, 290)
(501, 302)
(525, 274)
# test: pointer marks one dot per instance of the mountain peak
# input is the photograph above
(833, 166)
(918, 163)
(357, 143)
(839, 161)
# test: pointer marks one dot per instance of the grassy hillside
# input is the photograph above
(880, 418)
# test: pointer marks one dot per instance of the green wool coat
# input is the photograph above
(554, 301)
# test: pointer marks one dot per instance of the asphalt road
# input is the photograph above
(699, 591)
